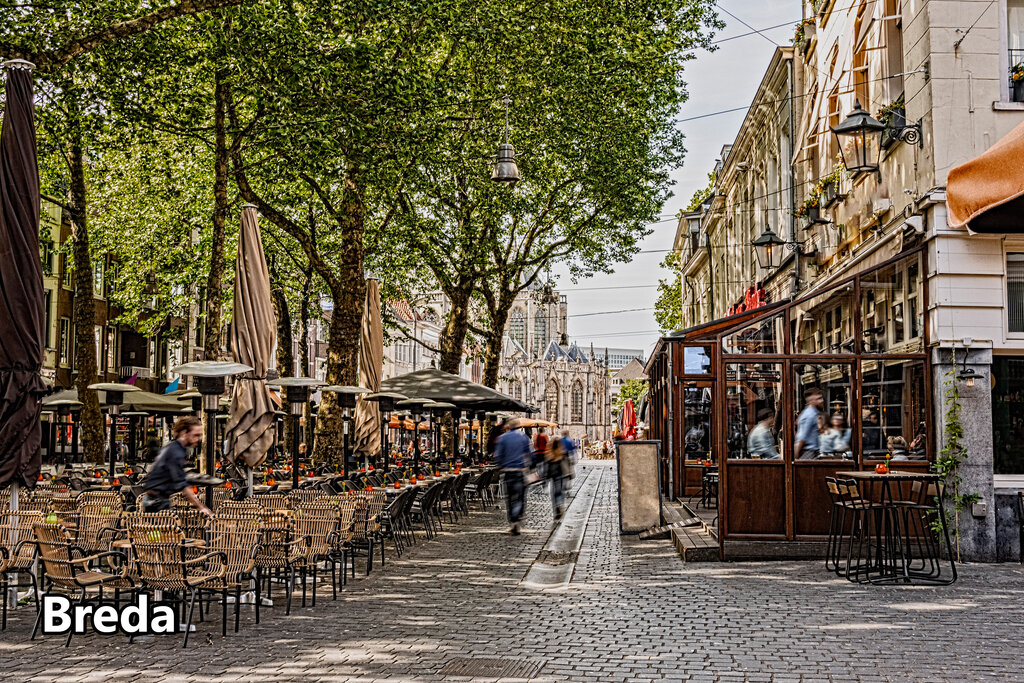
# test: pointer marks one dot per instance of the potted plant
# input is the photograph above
(804, 33)
(810, 210)
(1017, 82)
(829, 187)
(894, 116)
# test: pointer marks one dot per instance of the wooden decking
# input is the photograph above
(697, 543)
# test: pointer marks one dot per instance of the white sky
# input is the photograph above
(724, 79)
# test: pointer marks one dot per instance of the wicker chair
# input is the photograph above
(300, 497)
(237, 539)
(241, 507)
(66, 507)
(67, 566)
(367, 527)
(160, 550)
(111, 499)
(317, 524)
(271, 501)
(193, 522)
(17, 552)
(97, 526)
(277, 551)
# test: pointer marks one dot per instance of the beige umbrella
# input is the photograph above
(371, 362)
(250, 427)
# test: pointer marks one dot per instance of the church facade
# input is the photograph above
(539, 365)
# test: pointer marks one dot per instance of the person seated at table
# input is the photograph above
(760, 441)
(835, 439)
(898, 448)
(807, 445)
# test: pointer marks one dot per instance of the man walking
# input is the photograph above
(559, 465)
(512, 453)
(167, 475)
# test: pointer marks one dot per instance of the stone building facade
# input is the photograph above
(938, 76)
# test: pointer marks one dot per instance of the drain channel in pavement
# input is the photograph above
(554, 566)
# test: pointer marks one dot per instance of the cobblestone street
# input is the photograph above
(633, 611)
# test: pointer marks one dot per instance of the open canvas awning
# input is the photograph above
(986, 194)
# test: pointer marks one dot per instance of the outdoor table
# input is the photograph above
(900, 554)
(125, 543)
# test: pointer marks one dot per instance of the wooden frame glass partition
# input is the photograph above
(852, 353)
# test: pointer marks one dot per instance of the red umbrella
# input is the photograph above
(628, 420)
(21, 286)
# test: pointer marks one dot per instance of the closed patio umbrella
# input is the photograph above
(371, 362)
(21, 287)
(628, 420)
(250, 426)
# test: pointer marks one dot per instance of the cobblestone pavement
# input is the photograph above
(632, 612)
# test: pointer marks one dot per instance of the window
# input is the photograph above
(540, 332)
(893, 406)
(97, 278)
(47, 316)
(97, 334)
(576, 408)
(859, 68)
(517, 327)
(1007, 409)
(893, 30)
(1014, 33)
(1015, 292)
(891, 310)
(551, 400)
(753, 398)
(65, 342)
(823, 405)
(111, 360)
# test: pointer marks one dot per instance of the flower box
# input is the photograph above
(1017, 91)
(895, 122)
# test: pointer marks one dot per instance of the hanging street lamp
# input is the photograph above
(768, 249)
(505, 169)
(859, 137)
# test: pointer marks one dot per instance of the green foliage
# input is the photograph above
(952, 456)
(631, 389)
(668, 307)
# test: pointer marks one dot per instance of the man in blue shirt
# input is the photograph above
(167, 475)
(806, 446)
(512, 453)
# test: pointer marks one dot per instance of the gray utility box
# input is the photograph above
(639, 485)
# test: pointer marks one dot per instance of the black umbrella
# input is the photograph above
(21, 286)
(442, 386)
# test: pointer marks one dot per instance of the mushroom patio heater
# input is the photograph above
(64, 408)
(115, 397)
(386, 401)
(210, 377)
(134, 417)
(296, 391)
(437, 410)
(347, 396)
(481, 419)
(197, 401)
(416, 407)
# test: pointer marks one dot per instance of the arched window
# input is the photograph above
(551, 400)
(576, 404)
(540, 332)
(517, 390)
(517, 327)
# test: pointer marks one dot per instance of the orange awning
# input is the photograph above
(980, 192)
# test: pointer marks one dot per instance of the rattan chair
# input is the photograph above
(98, 525)
(299, 497)
(271, 501)
(67, 566)
(278, 550)
(17, 553)
(366, 532)
(237, 538)
(160, 553)
(110, 499)
(193, 522)
(316, 523)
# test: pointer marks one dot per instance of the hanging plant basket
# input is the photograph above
(814, 217)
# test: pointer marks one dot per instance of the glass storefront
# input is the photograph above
(1008, 414)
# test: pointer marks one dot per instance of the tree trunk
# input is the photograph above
(453, 337)
(348, 294)
(215, 279)
(284, 357)
(492, 351)
(307, 413)
(84, 308)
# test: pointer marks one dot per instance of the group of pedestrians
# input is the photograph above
(523, 463)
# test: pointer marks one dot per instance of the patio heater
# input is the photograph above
(115, 397)
(64, 408)
(437, 410)
(347, 396)
(481, 418)
(416, 407)
(210, 377)
(133, 432)
(197, 401)
(296, 391)
(385, 401)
